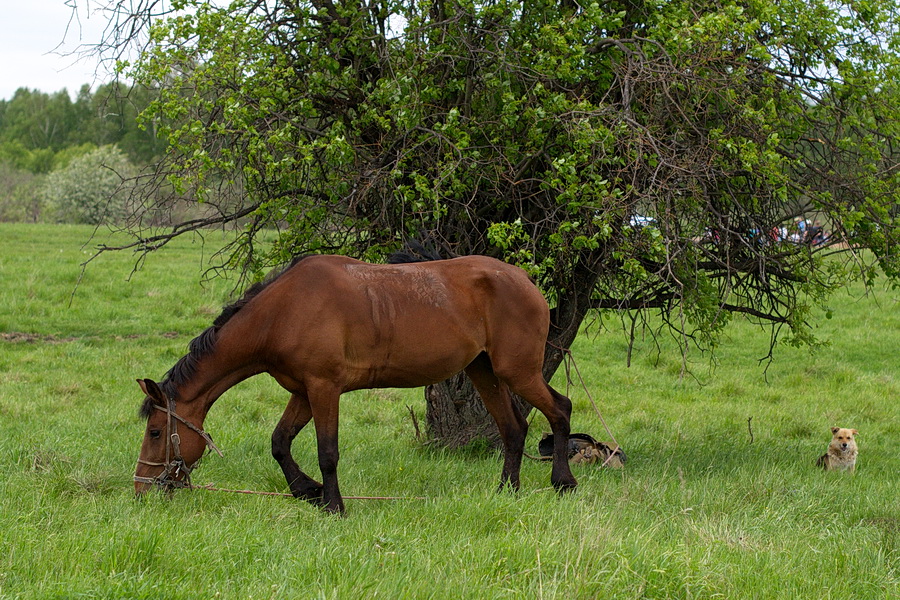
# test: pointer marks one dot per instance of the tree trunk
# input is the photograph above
(455, 414)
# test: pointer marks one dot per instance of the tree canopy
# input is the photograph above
(656, 156)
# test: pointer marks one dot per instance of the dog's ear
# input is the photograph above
(854, 432)
(834, 430)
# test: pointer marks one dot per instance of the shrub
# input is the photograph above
(93, 189)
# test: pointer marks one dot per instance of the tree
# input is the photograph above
(111, 117)
(633, 156)
(38, 120)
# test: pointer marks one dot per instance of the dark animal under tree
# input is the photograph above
(331, 324)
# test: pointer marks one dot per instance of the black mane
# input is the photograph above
(203, 344)
(419, 251)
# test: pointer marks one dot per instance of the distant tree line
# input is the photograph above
(36, 126)
(63, 159)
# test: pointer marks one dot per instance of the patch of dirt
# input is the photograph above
(18, 337)
(887, 524)
(30, 338)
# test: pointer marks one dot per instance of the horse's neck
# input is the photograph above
(215, 374)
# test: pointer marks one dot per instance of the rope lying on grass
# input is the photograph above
(210, 488)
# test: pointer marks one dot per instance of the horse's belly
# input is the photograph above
(423, 368)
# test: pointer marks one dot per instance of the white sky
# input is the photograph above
(35, 35)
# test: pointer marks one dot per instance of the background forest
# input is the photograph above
(63, 160)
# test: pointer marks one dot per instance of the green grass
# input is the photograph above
(699, 511)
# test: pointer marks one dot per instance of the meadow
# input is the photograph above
(701, 510)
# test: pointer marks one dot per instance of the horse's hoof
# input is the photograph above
(308, 490)
(565, 486)
(335, 508)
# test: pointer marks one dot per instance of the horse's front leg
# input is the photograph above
(296, 415)
(324, 400)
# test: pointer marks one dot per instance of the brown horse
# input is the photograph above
(330, 324)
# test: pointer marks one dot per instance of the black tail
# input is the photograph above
(420, 251)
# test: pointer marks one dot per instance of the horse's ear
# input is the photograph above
(151, 389)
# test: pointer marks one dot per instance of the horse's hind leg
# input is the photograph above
(512, 425)
(558, 410)
(295, 417)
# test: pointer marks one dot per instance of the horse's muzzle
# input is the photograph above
(142, 485)
(173, 476)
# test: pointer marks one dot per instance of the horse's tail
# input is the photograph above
(423, 250)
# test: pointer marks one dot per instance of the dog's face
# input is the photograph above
(844, 439)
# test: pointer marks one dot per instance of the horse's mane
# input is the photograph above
(204, 343)
(420, 251)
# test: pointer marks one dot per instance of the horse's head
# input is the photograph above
(172, 444)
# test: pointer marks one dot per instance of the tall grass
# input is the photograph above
(699, 511)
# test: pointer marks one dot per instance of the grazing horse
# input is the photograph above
(331, 324)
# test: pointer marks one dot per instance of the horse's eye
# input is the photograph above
(155, 433)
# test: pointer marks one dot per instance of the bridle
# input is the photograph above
(174, 464)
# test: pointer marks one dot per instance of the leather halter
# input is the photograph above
(174, 463)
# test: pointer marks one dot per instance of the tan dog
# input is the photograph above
(842, 451)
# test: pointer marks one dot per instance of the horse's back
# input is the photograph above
(450, 284)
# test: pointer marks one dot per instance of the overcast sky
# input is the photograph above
(35, 35)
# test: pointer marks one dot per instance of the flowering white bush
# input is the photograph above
(92, 189)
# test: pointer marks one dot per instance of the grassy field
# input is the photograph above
(699, 511)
